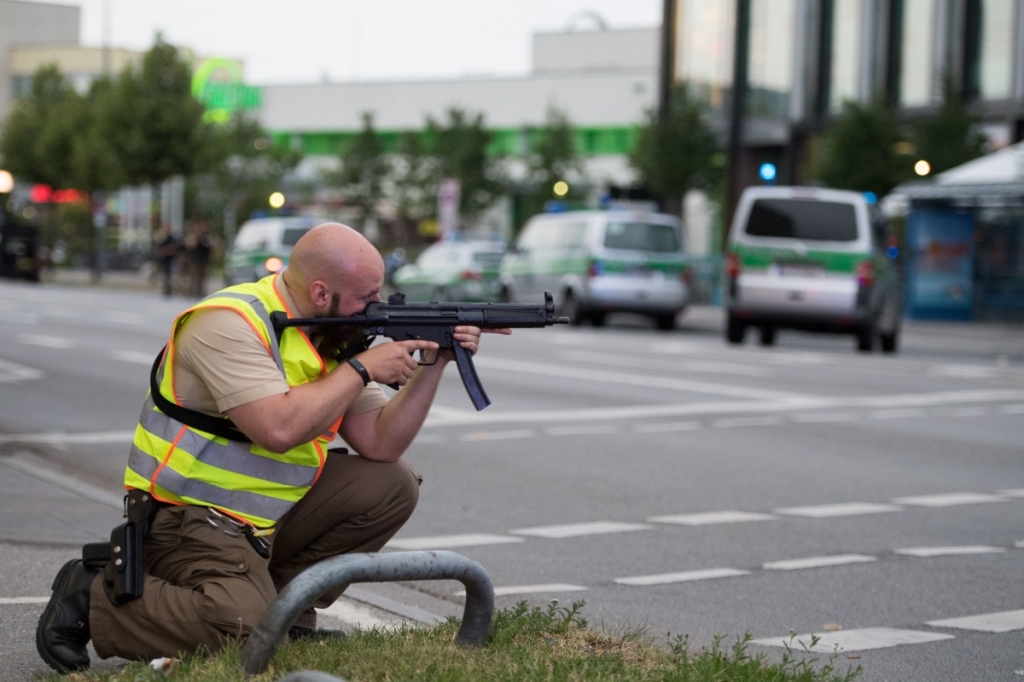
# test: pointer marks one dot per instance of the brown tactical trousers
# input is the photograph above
(203, 586)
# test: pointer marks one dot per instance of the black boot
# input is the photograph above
(63, 629)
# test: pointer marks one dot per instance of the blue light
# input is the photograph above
(892, 252)
(767, 171)
(870, 197)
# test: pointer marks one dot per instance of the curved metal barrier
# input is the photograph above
(311, 676)
(306, 587)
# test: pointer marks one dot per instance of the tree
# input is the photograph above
(364, 168)
(553, 153)
(153, 124)
(459, 147)
(950, 137)
(675, 153)
(414, 182)
(860, 150)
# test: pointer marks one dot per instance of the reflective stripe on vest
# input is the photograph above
(181, 464)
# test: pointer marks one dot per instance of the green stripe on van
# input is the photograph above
(761, 258)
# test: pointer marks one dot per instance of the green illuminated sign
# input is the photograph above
(217, 83)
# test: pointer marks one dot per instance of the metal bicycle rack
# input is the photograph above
(306, 587)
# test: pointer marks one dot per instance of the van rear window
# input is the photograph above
(292, 234)
(803, 219)
(641, 237)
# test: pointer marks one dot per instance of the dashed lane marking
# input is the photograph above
(93, 438)
(682, 577)
(582, 430)
(708, 518)
(824, 417)
(949, 499)
(134, 357)
(1002, 621)
(448, 541)
(825, 511)
(1012, 409)
(572, 530)
(929, 552)
(818, 562)
(24, 600)
(862, 639)
(667, 427)
(963, 412)
(740, 422)
(904, 413)
(12, 372)
(44, 341)
(531, 589)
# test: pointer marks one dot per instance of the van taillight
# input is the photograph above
(596, 268)
(732, 266)
(470, 276)
(686, 276)
(865, 273)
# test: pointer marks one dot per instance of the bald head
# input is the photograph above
(333, 261)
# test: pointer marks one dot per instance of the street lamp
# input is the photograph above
(276, 200)
(6, 182)
(922, 168)
(561, 188)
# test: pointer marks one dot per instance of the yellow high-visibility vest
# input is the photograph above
(181, 464)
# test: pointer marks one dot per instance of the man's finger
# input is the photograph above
(417, 344)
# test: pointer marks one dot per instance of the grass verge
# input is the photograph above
(525, 644)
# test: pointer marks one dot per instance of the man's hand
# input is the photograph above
(393, 363)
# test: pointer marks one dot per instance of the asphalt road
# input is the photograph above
(672, 481)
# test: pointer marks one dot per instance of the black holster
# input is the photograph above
(121, 558)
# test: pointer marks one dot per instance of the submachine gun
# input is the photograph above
(401, 321)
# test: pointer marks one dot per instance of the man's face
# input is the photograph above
(345, 302)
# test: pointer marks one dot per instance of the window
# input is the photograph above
(253, 237)
(292, 234)
(803, 219)
(995, 59)
(916, 78)
(772, 26)
(704, 39)
(641, 237)
(846, 34)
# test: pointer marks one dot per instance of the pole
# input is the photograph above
(741, 60)
(106, 38)
(668, 57)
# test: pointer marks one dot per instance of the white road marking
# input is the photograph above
(616, 360)
(19, 318)
(1002, 621)
(572, 530)
(819, 562)
(531, 589)
(740, 422)
(949, 499)
(96, 437)
(582, 430)
(44, 341)
(904, 413)
(41, 470)
(667, 427)
(11, 372)
(499, 435)
(440, 413)
(134, 357)
(825, 511)
(708, 518)
(426, 438)
(24, 600)
(965, 371)
(929, 552)
(1016, 492)
(1019, 544)
(633, 379)
(824, 417)
(447, 541)
(1012, 409)
(863, 639)
(683, 577)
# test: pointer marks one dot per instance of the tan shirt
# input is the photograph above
(221, 363)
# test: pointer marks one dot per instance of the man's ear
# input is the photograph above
(320, 294)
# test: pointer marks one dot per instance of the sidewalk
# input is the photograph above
(47, 515)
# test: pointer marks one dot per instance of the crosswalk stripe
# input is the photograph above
(824, 511)
(863, 639)
(682, 577)
(1002, 621)
(572, 530)
(818, 562)
(707, 518)
(929, 552)
(447, 541)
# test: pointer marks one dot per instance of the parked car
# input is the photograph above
(453, 271)
(600, 262)
(262, 247)
(20, 254)
(812, 259)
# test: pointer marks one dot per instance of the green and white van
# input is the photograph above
(262, 247)
(600, 262)
(815, 260)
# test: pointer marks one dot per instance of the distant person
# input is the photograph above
(395, 260)
(167, 248)
(201, 247)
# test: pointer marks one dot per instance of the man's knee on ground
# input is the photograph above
(233, 605)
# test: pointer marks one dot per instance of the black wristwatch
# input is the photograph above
(358, 367)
